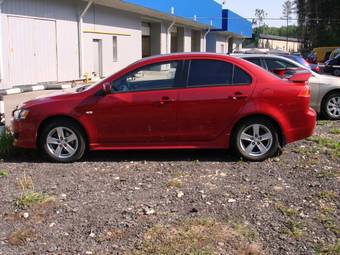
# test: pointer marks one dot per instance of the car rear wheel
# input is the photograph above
(255, 139)
(62, 141)
(331, 106)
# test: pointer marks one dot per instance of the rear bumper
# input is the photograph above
(24, 134)
(304, 131)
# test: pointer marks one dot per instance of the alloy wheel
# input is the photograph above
(333, 107)
(62, 142)
(256, 140)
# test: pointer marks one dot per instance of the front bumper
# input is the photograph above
(304, 131)
(25, 134)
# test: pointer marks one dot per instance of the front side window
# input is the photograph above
(152, 77)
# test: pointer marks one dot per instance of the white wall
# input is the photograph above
(103, 19)
(217, 43)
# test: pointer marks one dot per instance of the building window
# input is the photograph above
(115, 49)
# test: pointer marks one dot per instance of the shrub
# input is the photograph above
(6, 143)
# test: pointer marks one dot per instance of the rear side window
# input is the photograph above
(209, 72)
(255, 61)
(240, 77)
(273, 64)
(205, 73)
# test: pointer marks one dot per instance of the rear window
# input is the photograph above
(204, 73)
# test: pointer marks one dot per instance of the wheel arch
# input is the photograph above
(282, 139)
(48, 120)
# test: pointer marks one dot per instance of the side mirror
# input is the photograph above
(107, 88)
(300, 76)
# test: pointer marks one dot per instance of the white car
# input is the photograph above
(325, 89)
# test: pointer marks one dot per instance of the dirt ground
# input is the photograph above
(175, 202)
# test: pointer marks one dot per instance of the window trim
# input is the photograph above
(188, 67)
(178, 77)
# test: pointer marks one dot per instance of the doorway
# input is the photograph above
(97, 58)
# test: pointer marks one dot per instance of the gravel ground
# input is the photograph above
(175, 202)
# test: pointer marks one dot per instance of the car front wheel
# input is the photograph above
(336, 72)
(331, 106)
(255, 139)
(62, 141)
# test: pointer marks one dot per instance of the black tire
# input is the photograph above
(325, 102)
(81, 148)
(273, 147)
(336, 72)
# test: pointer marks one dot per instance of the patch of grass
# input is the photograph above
(335, 131)
(29, 196)
(327, 195)
(25, 183)
(328, 221)
(327, 145)
(333, 249)
(287, 211)
(194, 237)
(20, 237)
(295, 229)
(4, 174)
(174, 183)
(328, 174)
(323, 122)
(245, 231)
(6, 144)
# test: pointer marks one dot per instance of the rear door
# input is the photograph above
(216, 92)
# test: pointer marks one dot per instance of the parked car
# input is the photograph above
(179, 101)
(325, 89)
(302, 61)
(322, 54)
(333, 66)
(334, 53)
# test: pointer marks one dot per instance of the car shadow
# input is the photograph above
(30, 156)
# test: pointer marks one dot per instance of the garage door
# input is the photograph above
(33, 50)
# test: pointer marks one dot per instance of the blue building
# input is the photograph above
(70, 39)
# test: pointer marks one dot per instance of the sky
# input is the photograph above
(246, 8)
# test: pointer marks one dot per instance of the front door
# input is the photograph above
(142, 107)
(215, 94)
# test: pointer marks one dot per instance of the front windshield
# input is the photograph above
(90, 86)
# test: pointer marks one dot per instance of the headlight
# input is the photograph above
(20, 114)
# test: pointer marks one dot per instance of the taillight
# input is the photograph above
(305, 92)
(317, 69)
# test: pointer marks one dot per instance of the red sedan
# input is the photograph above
(180, 101)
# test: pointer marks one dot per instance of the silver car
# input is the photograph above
(325, 89)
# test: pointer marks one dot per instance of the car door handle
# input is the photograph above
(167, 100)
(239, 96)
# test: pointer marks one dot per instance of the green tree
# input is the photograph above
(319, 22)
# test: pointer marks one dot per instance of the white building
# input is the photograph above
(64, 40)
